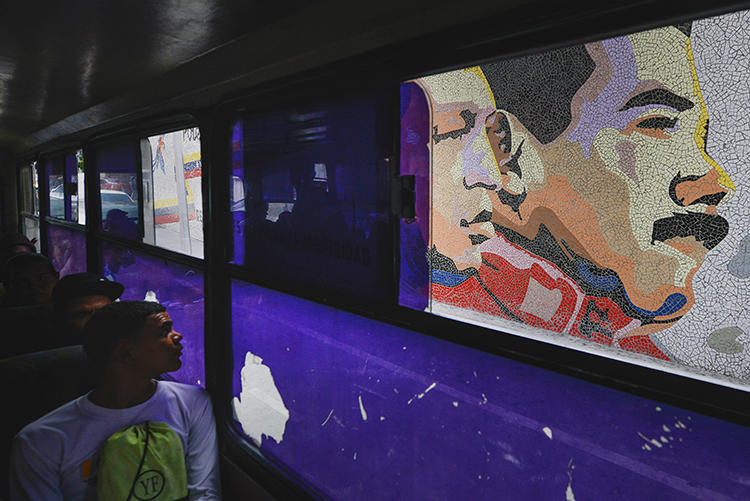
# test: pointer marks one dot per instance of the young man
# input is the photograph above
(129, 344)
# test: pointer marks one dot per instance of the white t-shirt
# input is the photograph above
(55, 457)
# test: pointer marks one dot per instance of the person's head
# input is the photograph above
(14, 244)
(603, 148)
(132, 337)
(29, 279)
(76, 297)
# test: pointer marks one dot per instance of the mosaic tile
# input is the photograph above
(598, 192)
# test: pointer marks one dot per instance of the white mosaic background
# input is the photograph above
(715, 334)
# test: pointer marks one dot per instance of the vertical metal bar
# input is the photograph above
(147, 199)
(179, 171)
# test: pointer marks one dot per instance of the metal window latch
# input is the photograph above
(404, 197)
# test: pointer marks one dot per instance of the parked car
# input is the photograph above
(57, 201)
(112, 199)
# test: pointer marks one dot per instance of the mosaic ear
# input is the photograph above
(516, 151)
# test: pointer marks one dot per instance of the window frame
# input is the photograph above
(30, 163)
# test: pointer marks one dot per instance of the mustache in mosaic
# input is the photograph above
(706, 228)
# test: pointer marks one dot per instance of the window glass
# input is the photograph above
(31, 230)
(55, 184)
(309, 194)
(360, 409)
(75, 189)
(66, 249)
(118, 188)
(177, 287)
(177, 196)
(35, 185)
(26, 184)
(415, 232)
(577, 196)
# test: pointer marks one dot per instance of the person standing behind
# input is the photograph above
(61, 455)
(29, 280)
(76, 298)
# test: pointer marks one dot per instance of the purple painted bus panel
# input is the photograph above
(361, 409)
(66, 249)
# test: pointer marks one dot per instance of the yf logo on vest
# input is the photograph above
(148, 485)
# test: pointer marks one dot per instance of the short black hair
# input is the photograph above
(114, 324)
(539, 88)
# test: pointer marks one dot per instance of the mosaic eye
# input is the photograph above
(657, 123)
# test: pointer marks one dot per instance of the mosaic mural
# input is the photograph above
(597, 192)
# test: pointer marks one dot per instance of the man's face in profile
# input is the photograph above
(628, 190)
(631, 179)
(157, 349)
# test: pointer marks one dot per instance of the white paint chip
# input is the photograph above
(420, 395)
(665, 428)
(329, 417)
(569, 496)
(382, 418)
(362, 410)
(547, 432)
(259, 409)
(455, 404)
(652, 441)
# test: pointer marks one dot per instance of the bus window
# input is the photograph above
(540, 227)
(29, 202)
(53, 169)
(66, 249)
(177, 287)
(118, 188)
(313, 188)
(175, 208)
(75, 190)
(415, 161)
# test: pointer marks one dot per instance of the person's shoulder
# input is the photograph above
(186, 392)
(43, 431)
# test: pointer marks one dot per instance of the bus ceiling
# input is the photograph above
(78, 66)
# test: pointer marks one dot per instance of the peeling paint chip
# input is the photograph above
(259, 409)
(547, 432)
(362, 410)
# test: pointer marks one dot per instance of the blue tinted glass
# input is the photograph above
(415, 161)
(309, 194)
(364, 410)
(118, 188)
(66, 249)
(53, 169)
(177, 287)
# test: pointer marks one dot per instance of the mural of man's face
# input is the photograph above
(628, 190)
(631, 179)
